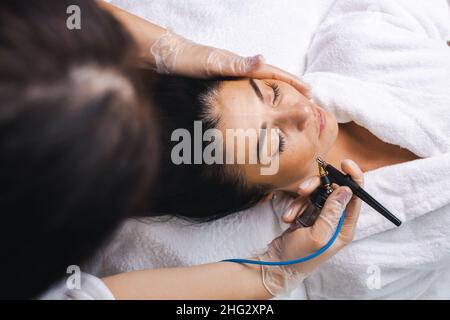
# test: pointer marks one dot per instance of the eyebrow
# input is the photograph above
(256, 89)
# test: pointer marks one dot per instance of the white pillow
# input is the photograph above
(280, 30)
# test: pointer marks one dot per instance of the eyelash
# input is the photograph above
(282, 143)
(276, 91)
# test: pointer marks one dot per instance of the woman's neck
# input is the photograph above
(357, 143)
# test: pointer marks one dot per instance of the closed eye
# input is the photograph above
(282, 142)
(276, 91)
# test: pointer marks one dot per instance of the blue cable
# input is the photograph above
(289, 262)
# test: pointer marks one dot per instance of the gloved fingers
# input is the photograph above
(350, 167)
(267, 71)
(225, 63)
(175, 54)
(167, 51)
(354, 206)
(297, 206)
(307, 186)
(303, 241)
(327, 222)
(294, 210)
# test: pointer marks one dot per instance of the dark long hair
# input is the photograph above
(77, 147)
(199, 192)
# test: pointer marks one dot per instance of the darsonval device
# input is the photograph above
(316, 201)
(333, 175)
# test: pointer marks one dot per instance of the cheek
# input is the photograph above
(299, 158)
(303, 147)
(329, 138)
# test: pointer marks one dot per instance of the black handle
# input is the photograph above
(341, 179)
(345, 180)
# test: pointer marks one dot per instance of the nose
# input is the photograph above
(295, 116)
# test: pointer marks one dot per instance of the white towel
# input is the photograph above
(386, 66)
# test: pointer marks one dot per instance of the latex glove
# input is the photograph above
(175, 54)
(298, 243)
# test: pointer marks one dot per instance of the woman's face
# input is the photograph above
(271, 104)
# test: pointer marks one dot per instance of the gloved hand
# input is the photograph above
(178, 55)
(298, 243)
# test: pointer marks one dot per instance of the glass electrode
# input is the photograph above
(316, 200)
